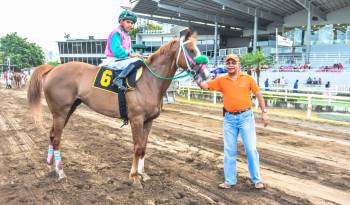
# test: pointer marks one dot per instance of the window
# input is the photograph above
(298, 36)
(99, 47)
(347, 35)
(326, 35)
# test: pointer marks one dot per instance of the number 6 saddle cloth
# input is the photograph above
(105, 76)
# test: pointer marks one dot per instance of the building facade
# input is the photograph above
(84, 50)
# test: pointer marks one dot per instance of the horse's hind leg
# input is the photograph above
(59, 122)
(58, 125)
(50, 156)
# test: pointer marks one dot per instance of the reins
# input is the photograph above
(177, 76)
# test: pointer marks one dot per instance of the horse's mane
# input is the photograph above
(162, 50)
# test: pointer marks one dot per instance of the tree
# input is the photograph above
(1, 57)
(134, 32)
(22, 54)
(143, 27)
(247, 61)
(54, 63)
(255, 61)
(153, 27)
(259, 61)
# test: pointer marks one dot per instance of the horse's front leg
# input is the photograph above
(139, 150)
(140, 169)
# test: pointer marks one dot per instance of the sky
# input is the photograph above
(45, 21)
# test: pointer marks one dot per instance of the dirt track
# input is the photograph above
(302, 162)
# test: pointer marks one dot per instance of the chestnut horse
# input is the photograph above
(17, 77)
(68, 85)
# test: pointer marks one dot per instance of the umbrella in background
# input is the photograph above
(218, 70)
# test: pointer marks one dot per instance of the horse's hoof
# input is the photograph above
(145, 177)
(61, 176)
(137, 184)
(50, 168)
(51, 171)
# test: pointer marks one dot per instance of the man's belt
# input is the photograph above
(239, 112)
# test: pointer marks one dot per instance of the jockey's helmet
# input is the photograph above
(127, 15)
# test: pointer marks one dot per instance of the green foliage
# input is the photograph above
(134, 32)
(54, 63)
(269, 60)
(247, 61)
(147, 26)
(22, 53)
(153, 27)
(254, 61)
(1, 57)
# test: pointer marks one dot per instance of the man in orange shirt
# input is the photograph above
(236, 88)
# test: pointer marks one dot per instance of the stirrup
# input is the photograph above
(119, 83)
(125, 122)
(122, 88)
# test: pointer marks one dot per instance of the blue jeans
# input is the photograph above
(243, 124)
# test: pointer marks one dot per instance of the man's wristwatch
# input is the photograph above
(264, 110)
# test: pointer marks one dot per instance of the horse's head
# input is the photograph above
(189, 57)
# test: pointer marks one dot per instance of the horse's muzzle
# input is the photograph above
(201, 74)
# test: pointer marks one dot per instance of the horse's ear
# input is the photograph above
(188, 34)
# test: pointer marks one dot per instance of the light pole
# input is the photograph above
(9, 63)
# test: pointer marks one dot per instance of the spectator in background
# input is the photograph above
(6, 78)
(328, 84)
(282, 81)
(295, 86)
(309, 81)
(9, 79)
(319, 81)
(266, 84)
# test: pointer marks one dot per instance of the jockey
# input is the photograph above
(119, 46)
(6, 79)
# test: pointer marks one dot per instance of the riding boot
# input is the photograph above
(118, 81)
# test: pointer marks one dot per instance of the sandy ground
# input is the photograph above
(301, 162)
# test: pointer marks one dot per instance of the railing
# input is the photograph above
(152, 31)
(311, 89)
(316, 59)
(326, 98)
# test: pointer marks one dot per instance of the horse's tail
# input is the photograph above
(34, 91)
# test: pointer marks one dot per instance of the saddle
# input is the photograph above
(103, 81)
(105, 76)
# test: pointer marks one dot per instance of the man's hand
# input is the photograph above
(265, 118)
(202, 84)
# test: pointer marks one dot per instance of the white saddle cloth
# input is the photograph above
(118, 64)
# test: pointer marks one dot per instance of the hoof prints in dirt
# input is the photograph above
(184, 161)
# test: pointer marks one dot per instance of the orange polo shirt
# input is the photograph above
(237, 92)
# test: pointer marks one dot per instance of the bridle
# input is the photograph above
(190, 63)
(188, 58)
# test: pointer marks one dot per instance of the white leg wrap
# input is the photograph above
(140, 167)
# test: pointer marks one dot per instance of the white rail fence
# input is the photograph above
(326, 98)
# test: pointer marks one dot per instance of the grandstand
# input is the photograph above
(319, 29)
(84, 50)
